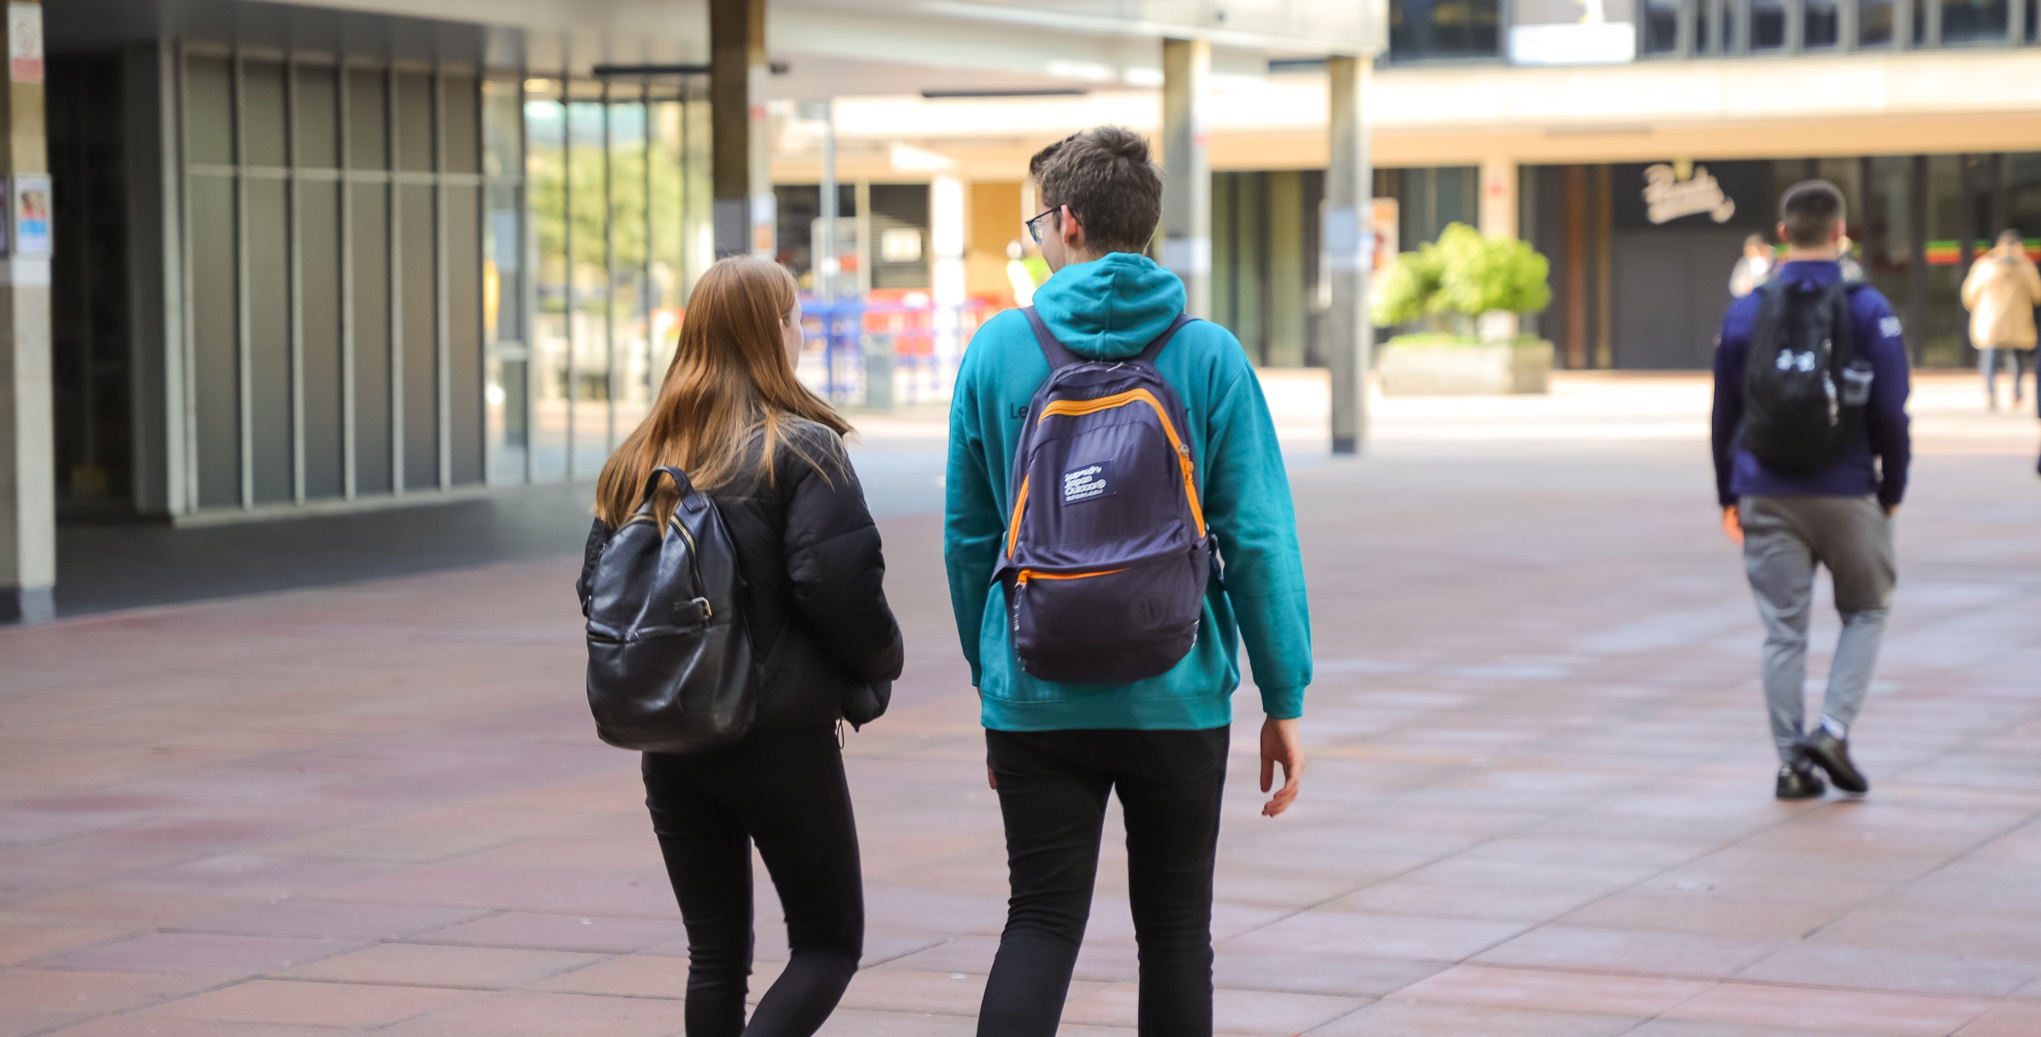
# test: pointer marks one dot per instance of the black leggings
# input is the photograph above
(785, 791)
(1053, 787)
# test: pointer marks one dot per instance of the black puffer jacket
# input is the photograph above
(814, 595)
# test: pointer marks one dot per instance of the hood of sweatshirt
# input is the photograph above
(1110, 308)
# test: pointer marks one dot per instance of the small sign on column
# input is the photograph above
(24, 42)
(29, 204)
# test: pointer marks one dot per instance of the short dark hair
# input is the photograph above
(1810, 210)
(1106, 177)
(2011, 238)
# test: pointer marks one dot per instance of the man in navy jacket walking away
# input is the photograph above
(1837, 514)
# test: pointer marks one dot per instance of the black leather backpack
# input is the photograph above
(670, 664)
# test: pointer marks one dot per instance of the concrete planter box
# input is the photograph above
(1465, 370)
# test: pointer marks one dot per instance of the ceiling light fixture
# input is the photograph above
(960, 95)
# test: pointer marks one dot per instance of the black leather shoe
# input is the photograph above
(1832, 754)
(1799, 783)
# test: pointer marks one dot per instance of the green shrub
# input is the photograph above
(1408, 287)
(1449, 282)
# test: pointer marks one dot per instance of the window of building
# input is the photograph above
(1737, 27)
(1767, 24)
(630, 312)
(1821, 25)
(1431, 30)
(1938, 338)
(1262, 269)
(334, 345)
(2023, 196)
(507, 367)
(1662, 26)
(1429, 198)
(91, 347)
(588, 337)
(619, 198)
(1974, 21)
(1874, 23)
(546, 170)
(1716, 26)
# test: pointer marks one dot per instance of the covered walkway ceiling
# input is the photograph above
(1051, 41)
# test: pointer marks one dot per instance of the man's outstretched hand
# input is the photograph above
(1282, 742)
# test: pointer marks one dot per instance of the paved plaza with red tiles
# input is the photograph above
(1538, 802)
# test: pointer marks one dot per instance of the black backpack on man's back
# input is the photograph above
(1804, 387)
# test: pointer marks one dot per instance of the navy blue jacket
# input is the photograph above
(1877, 462)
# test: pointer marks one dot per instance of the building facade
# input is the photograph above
(1925, 113)
(350, 253)
(1559, 121)
(309, 257)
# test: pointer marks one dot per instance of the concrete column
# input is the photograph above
(861, 197)
(1187, 189)
(949, 221)
(827, 257)
(155, 262)
(738, 74)
(1349, 248)
(28, 484)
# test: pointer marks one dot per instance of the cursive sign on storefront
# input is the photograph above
(1669, 196)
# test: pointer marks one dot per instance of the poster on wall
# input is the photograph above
(30, 197)
(1384, 215)
(24, 42)
(1573, 32)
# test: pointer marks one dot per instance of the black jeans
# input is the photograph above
(785, 791)
(1052, 794)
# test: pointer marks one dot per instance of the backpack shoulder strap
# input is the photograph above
(1059, 354)
(1842, 321)
(1764, 329)
(1154, 348)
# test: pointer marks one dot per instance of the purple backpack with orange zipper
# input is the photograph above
(1106, 556)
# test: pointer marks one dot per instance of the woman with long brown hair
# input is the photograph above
(770, 454)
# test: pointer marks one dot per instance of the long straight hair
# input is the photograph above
(730, 379)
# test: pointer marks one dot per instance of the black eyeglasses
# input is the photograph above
(1034, 231)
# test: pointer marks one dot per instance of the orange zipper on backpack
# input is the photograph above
(1020, 502)
(1037, 574)
(1081, 407)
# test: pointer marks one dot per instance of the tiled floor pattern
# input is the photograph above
(1538, 805)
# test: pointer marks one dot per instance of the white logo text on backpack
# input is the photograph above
(1789, 360)
(1087, 483)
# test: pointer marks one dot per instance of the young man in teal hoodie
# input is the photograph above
(1055, 752)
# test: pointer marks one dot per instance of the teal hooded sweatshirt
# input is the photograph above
(1110, 309)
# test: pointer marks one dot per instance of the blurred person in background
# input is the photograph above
(1019, 275)
(1853, 271)
(2001, 292)
(1778, 384)
(1755, 268)
(770, 454)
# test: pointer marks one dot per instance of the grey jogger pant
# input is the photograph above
(1784, 538)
